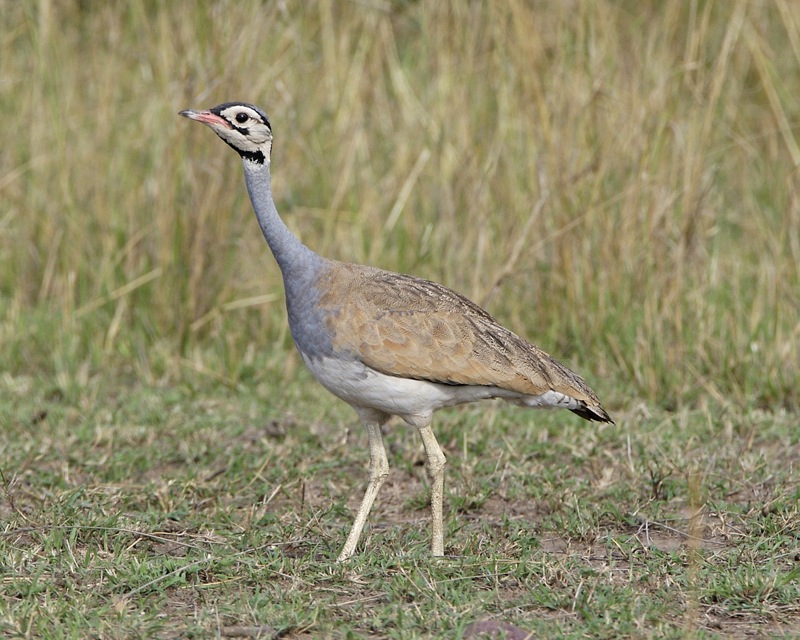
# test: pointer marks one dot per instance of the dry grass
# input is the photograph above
(616, 181)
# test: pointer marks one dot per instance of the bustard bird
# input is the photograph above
(391, 344)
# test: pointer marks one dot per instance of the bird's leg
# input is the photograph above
(434, 466)
(378, 470)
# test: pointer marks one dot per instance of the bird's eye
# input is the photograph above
(241, 118)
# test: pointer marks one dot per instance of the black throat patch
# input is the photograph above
(253, 156)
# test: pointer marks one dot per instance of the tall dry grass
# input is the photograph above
(615, 180)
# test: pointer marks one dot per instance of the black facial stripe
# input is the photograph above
(253, 156)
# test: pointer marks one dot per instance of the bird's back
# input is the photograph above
(410, 328)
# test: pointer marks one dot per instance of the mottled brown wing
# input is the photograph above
(413, 328)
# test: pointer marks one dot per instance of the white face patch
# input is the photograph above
(249, 124)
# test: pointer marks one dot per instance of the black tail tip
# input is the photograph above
(593, 414)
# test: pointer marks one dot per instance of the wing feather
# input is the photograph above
(413, 328)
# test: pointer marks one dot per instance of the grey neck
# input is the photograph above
(300, 266)
(292, 256)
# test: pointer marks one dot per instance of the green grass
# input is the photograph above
(161, 513)
(616, 181)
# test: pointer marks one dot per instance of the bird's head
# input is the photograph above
(243, 126)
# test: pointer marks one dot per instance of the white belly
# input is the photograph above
(360, 386)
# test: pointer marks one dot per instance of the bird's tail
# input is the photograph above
(594, 414)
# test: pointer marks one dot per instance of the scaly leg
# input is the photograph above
(378, 470)
(435, 468)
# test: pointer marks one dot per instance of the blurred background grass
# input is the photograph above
(616, 181)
